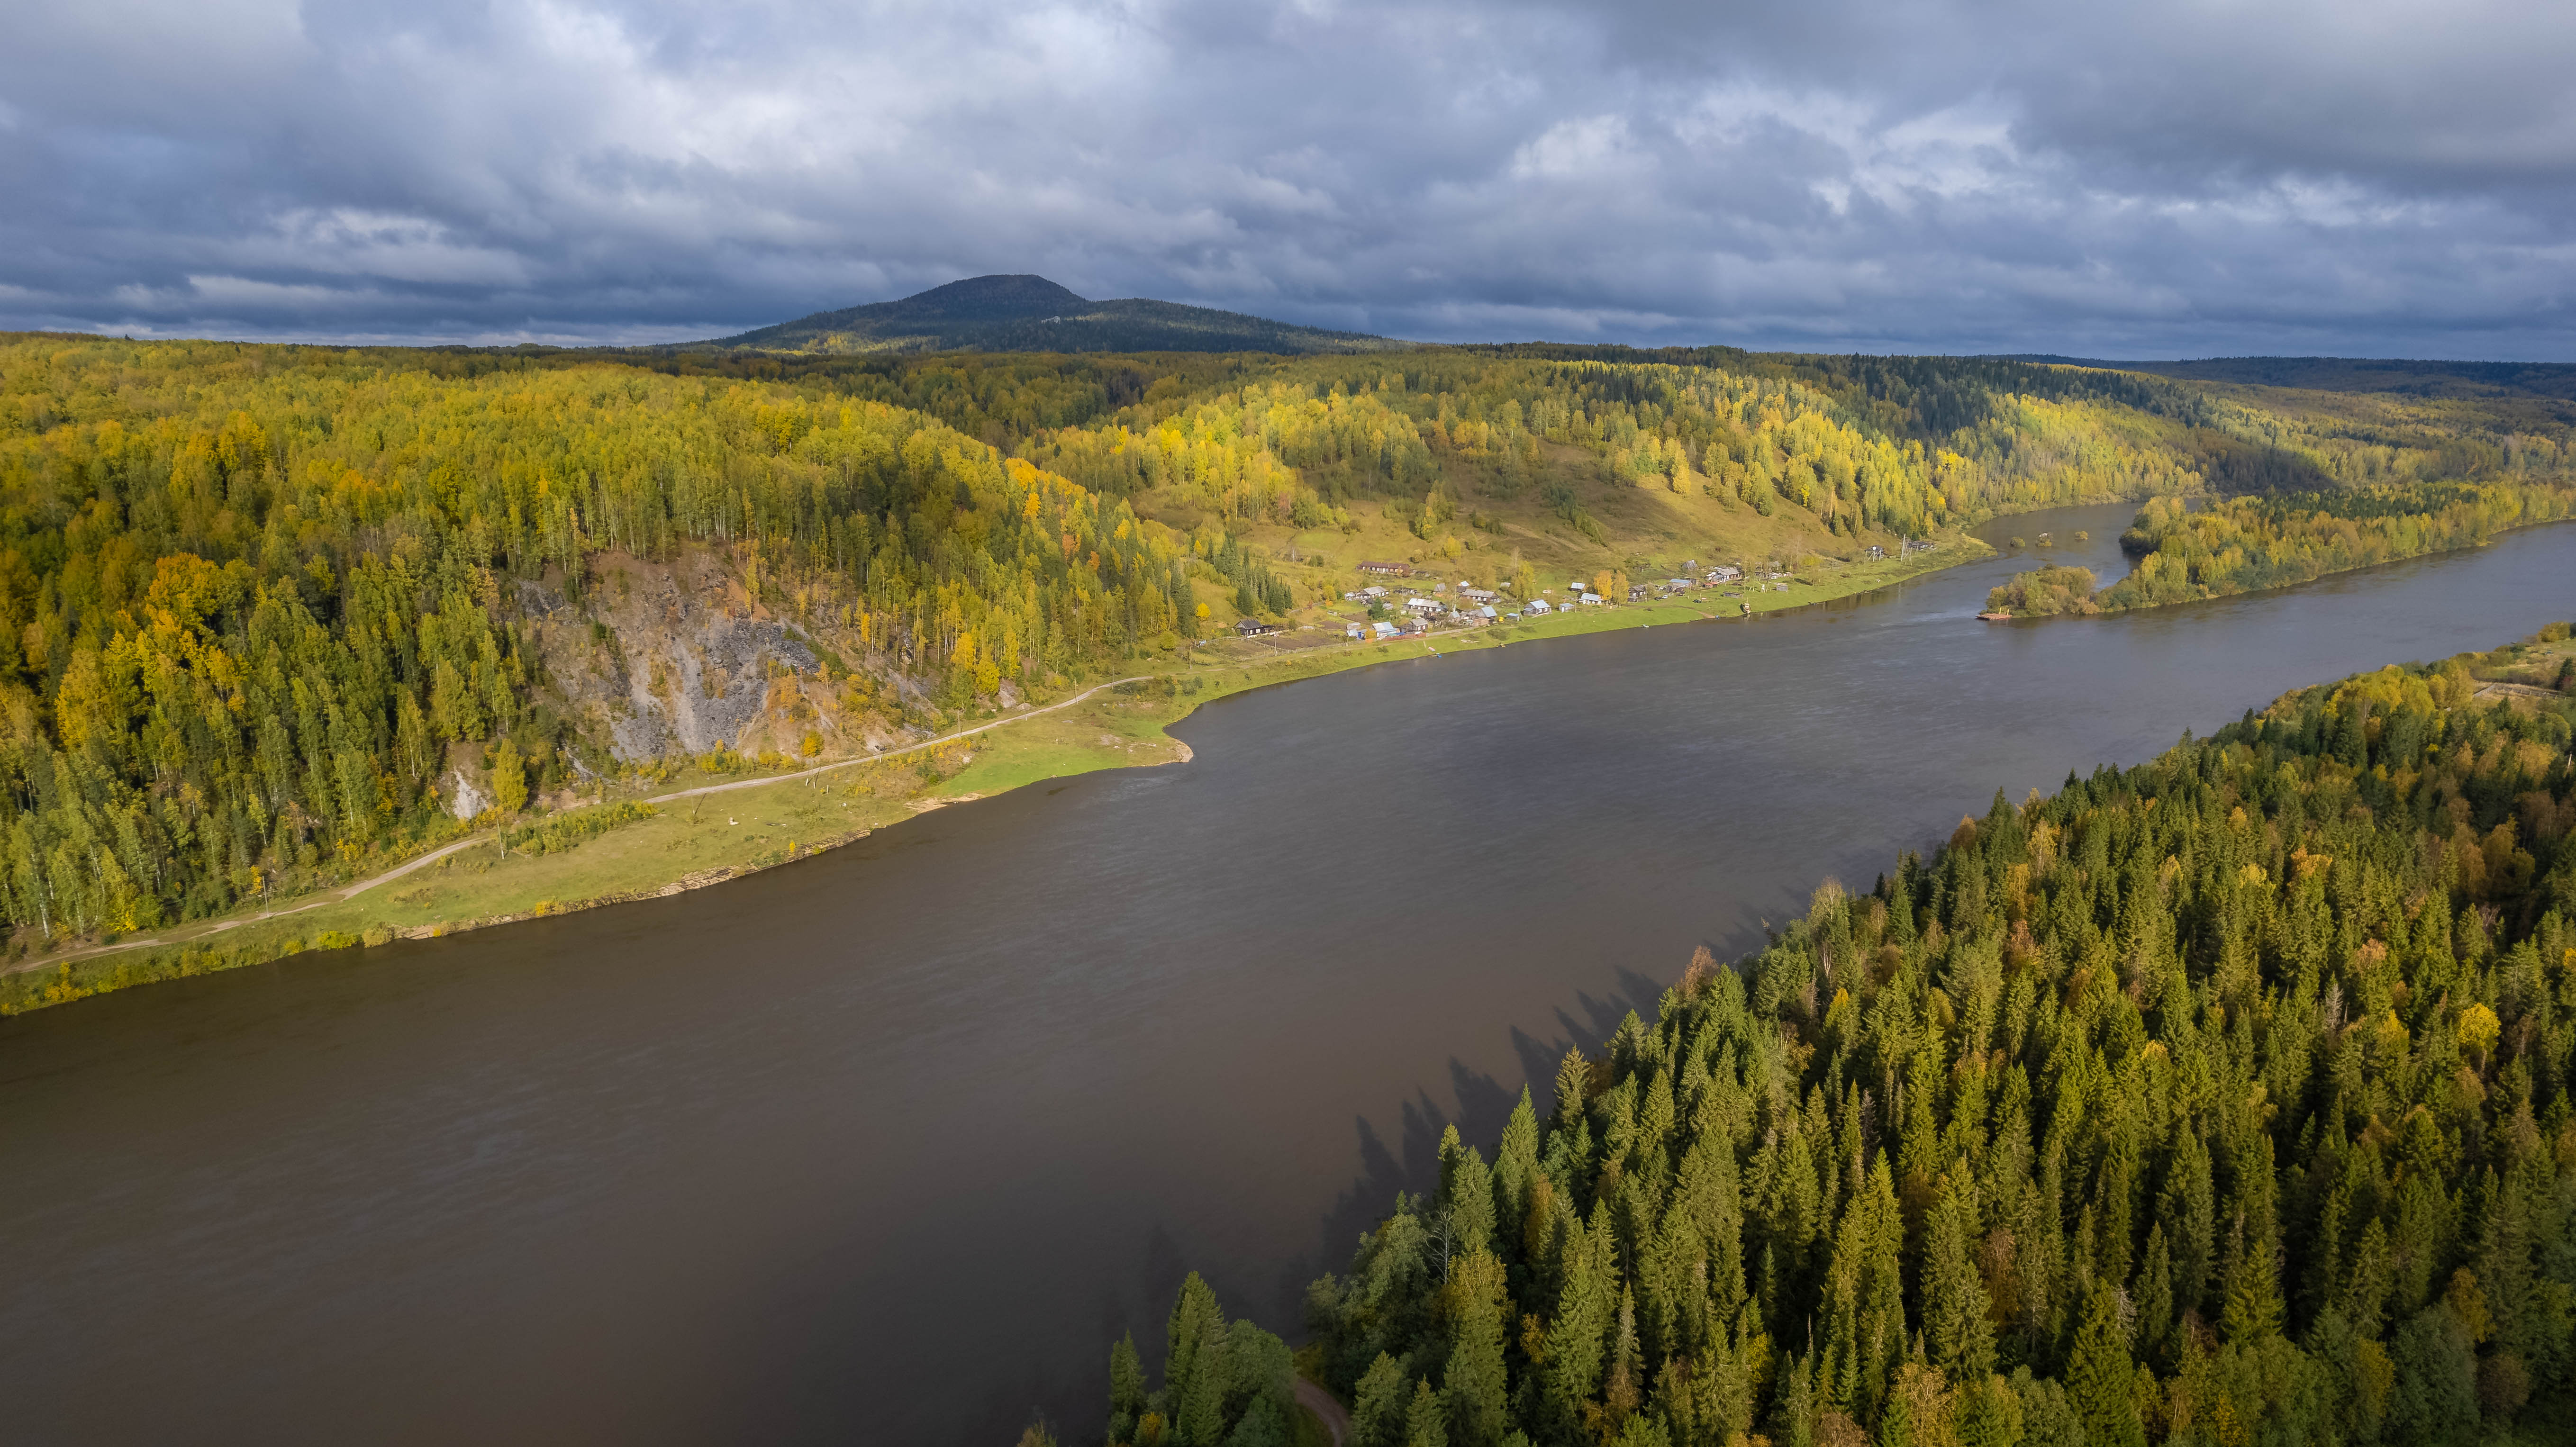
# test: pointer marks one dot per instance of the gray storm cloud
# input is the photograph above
(2182, 179)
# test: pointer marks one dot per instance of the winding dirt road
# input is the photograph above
(1330, 1412)
(352, 891)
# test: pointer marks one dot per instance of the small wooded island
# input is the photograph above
(2274, 540)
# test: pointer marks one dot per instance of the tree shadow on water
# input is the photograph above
(1410, 1162)
(1601, 1016)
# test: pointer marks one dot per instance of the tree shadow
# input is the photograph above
(1484, 1104)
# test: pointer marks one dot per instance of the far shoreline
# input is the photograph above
(1116, 723)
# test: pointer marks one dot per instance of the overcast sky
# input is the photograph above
(2075, 176)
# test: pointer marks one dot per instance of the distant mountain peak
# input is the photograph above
(994, 298)
(1023, 313)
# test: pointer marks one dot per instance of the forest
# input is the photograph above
(249, 597)
(2220, 1100)
(2273, 540)
(255, 600)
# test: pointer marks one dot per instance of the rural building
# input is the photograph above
(1254, 628)
(1387, 570)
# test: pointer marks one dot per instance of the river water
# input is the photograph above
(888, 1146)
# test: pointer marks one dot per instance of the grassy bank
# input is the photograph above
(674, 835)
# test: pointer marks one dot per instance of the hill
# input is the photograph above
(266, 612)
(2429, 379)
(1033, 314)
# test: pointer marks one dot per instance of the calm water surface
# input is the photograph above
(888, 1146)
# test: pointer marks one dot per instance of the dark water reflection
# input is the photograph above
(886, 1147)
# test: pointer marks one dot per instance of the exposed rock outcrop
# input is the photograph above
(464, 799)
(678, 658)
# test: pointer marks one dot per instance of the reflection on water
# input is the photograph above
(888, 1146)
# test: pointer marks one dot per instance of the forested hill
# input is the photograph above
(2551, 380)
(2219, 1101)
(1033, 314)
(261, 606)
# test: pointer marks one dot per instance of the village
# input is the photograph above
(1406, 600)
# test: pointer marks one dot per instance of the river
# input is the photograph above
(887, 1146)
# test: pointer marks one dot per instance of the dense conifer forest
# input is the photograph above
(2222, 1100)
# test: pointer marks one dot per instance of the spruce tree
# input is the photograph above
(1475, 1381)
(1957, 1326)
(1126, 1389)
(1466, 1195)
(1198, 1404)
(1425, 1423)
(2100, 1378)
(2152, 1294)
(1576, 1338)
(1515, 1164)
(1379, 1403)
(1194, 1322)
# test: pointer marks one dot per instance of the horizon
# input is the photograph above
(2140, 183)
(2043, 358)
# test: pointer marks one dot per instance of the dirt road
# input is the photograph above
(352, 891)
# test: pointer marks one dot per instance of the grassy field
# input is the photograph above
(690, 842)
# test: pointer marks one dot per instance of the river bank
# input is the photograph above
(687, 842)
(755, 1162)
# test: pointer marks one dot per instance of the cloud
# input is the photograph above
(2180, 179)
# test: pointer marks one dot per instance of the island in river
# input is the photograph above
(2277, 540)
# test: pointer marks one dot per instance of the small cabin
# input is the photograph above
(1387, 570)
(1253, 628)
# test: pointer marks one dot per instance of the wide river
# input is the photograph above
(887, 1147)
